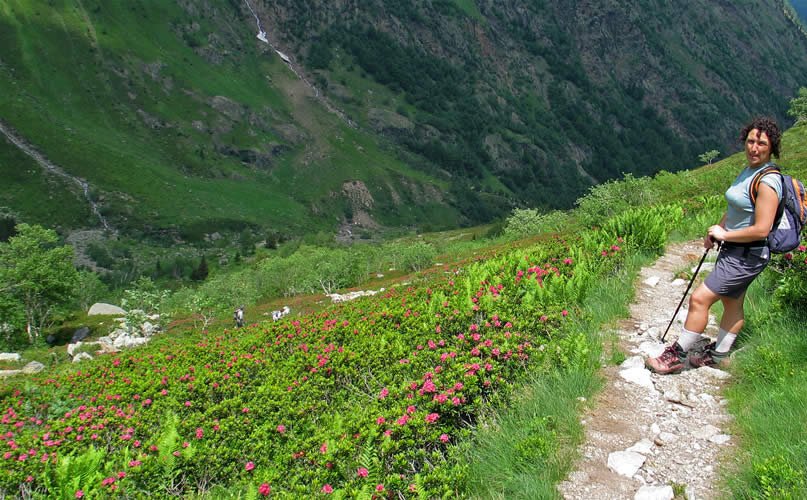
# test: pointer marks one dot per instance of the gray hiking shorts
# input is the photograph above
(736, 268)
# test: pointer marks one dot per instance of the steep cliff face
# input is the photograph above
(445, 111)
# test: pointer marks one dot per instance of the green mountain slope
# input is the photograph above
(430, 113)
(168, 135)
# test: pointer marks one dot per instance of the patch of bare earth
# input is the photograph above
(652, 436)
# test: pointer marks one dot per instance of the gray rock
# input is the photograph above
(644, 446)
(720, 439)
(10, 356)
(124, 342)
(101, 309)
(632, 362)
(638, 376)
(651, 349)
(9, 373)
(667, 437)
(71, 348)
(625, 463)
(33, 367)
(655, 493)
(81, 357)
(80, 334)
(652, 281)
(705, 432)
(148, 329)
(714, 373)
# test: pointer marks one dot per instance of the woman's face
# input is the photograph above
(757, 148)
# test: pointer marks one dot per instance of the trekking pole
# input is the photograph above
(694, 275)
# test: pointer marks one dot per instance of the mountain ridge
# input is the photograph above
(447, 112)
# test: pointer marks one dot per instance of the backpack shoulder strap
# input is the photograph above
(754, 187)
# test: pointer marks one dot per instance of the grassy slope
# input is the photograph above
(78, 83)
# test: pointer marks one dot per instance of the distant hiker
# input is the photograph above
(743, 254)
(238, 316)
(277, 315)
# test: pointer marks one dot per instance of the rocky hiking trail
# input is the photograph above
(652, 436)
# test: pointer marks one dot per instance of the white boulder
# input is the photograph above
(102, 309)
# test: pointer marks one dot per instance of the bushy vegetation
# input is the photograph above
(364, 396)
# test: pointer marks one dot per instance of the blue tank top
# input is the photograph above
(740, 213)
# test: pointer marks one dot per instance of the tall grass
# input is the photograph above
(769, 399)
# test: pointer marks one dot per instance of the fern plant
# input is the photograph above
(74, 473)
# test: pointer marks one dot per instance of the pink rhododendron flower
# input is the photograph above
(264, 489)
(432, 417)
(444, 438)
(323, 448)
(564, 313)
(199, 433)
(79, 494)
(379, 487)
(327, 489)
(383, 394)
(362, 472)
(281, 429)
(380, 420)
(249, 466)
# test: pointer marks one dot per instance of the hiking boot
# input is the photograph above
(709, 357)
(671, 360)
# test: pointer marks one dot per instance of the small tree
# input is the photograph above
(37, 273)
(201, 272)
(709, 156)
(798, 107)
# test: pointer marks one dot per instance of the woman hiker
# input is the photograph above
(743, 254)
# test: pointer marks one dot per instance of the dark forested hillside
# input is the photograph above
(383, 114)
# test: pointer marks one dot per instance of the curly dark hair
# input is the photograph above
(769, 126)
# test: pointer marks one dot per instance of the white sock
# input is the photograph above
(687, 339)
(724, 341)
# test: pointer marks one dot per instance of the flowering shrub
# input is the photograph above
(792, 281)
(364, 399)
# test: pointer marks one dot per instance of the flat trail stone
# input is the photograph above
(678, 423)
